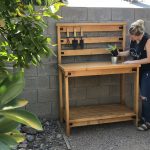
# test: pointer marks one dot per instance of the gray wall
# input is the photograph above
(42, 82)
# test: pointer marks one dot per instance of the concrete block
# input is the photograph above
(129, 90)
(40, 109)
(47, 95)
(43, 82)
(122, 14)
(108, 99)
(77, 93)
(45, 60)
(104, 80)
(54, 57)
(114, 90)
(99, 14)
(114, 79)
(86, 102)
(147, 26)
(74, 13)
(54, 82)
(67, 60)
(31, 83)
(142, 14)
(73, 103)
(32, 71)
(30, 95)
(129, 78)
(92, 58)
(51, 26)
(97, 92)
(86, 81)
(55, 110)
(48, 69)
(71, 82)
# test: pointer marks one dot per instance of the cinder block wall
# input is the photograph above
(42, 82)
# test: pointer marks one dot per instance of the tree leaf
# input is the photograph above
(39, 2)
(16, 103)
(8, 140)
(13, 86)
(4, 146)
(55, 8)
(17, 136)
(7, 125)
(22, 116)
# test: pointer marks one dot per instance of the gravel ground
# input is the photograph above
(115, 136)
(49, 139)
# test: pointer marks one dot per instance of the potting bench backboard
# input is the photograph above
(96, 37)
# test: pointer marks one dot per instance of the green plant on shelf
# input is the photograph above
(113, 49)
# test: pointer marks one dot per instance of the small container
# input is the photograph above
(114, 59)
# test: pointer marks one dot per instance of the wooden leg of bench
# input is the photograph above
(136, 96)
(67, 106)
(60, 97)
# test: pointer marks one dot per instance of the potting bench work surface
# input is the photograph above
(69, 35)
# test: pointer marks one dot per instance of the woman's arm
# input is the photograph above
(125, 53)
(145, 60)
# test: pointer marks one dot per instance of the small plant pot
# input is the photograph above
(114, 59)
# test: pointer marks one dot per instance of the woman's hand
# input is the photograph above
(124, 53)
(128, 62)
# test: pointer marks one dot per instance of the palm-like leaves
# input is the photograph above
(10, 114)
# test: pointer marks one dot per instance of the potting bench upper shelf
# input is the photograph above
(87, 115)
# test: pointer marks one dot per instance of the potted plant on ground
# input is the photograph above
(114, 52)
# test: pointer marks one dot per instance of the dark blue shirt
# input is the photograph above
(137, 51)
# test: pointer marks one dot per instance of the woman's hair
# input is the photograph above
(137, 28)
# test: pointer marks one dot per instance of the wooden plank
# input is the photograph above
(84, 52)
(100, 121)
(94, 66)
(93, 24)
(91, 28)
(136, 95)
(124, 40)
(67, 106)
(98, 72)
(97, 112)
(60, 97)
(90, 40)
(59, 45)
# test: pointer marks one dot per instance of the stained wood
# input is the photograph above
(89, 113)
(92, 40)
(95, 66)
(84, 52)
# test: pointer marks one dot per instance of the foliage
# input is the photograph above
(113, 49)
(22, 39)
(11, 114)
(22, 43)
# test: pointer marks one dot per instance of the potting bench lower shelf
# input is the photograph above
(88, 115)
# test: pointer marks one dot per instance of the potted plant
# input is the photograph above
(114, 52)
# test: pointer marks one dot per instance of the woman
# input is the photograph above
(140, 51)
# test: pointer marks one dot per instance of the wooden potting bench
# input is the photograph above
(95, 114)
